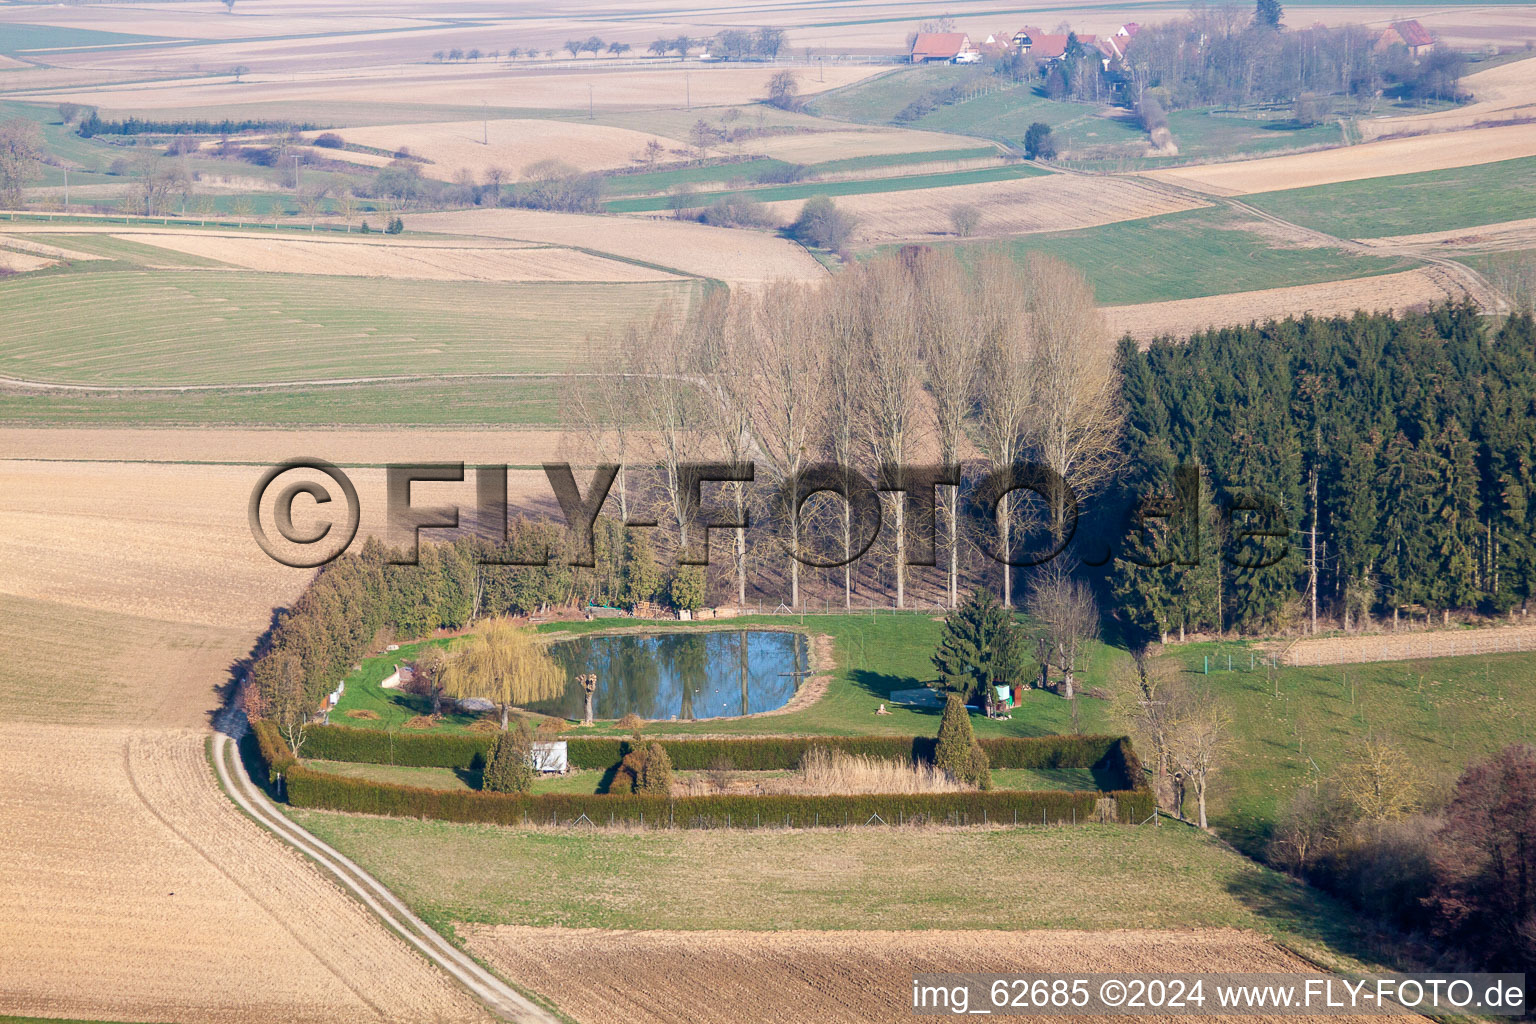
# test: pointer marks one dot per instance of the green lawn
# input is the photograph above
(875, 654)
(1444, 712)
(1190, 254)
(1091, 877)
(1405, 204)
(165, 327)
(853, 187)
(1207, 134)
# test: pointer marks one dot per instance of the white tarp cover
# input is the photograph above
(550, 756)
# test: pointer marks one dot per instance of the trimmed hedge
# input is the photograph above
(273, 749)
(308, 788)
(747, 753)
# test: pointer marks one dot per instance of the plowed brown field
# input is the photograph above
(729, 254)
(1056, 202)
(511, 145)
(1183, 316)
(792, 977)
(352, 258)
(1351, 163)
(136, 891)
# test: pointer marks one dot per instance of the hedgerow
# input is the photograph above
(746, 753)
(309, 788)
(758, 753)
(306, 787)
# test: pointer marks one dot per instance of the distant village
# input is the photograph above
(1050, 47)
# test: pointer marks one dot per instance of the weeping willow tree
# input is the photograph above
(505, 665)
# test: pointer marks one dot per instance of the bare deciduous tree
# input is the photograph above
(1067, 608)
(952, 354)
(724, 332)
(1197, 741)
(790, 365)
(1076, 418)
(1005, 394)
(890, 380)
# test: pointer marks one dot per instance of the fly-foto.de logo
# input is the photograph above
(911, 503)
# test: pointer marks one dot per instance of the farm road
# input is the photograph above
(496, 994)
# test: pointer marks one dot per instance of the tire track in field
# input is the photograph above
(496, 994)
(239, 883)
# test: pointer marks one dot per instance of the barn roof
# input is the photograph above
(939, 44)
(1413, 33)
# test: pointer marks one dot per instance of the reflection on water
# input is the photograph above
(681, 675)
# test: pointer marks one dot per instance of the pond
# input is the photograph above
(685, 676)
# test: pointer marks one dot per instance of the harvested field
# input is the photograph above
(513, 145)
(164, 903)
(1353, 163)
(1056, 202)
(1504, 93)
(1184, 316)
(1442, 643)
(21, 262)
(435, 263)
(723, 977)
(1514, 234)
(36, 248)
(735, 256)
(557, 87)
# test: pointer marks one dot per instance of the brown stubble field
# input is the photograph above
(136, 891)
(723, 977)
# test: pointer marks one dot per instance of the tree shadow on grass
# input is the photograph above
(1299, 909)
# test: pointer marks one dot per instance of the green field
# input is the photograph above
(167, 327)
(17, 39)
(1406, 204)
(743, 173)
(1444, 712)
(855, 187)
(1091, 877)
(1188, 255)
(525, 402)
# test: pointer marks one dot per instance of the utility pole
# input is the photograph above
(485, 124)
(590, 112)
(688, 89)
(66, 188)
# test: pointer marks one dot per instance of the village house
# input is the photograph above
(940, 46)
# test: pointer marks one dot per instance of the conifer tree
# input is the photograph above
(979, 649)
(509, 765)
(957, 752)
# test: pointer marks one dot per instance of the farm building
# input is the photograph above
(1406, 33)
(937, 46)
